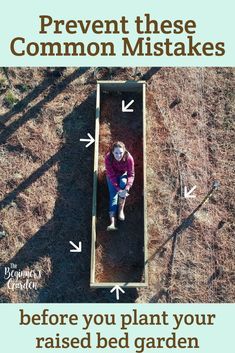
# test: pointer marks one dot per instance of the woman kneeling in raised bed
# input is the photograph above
(120, 174)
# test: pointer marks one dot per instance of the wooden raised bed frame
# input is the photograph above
(121, 86)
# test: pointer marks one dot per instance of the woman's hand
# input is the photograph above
(123, 193)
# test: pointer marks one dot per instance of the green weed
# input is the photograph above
(10, 99)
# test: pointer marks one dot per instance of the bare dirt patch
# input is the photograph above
(120, 256)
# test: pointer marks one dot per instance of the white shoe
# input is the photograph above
(111, 227)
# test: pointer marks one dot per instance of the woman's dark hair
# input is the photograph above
(120, 145)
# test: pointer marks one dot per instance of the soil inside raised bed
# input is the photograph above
(120, 254)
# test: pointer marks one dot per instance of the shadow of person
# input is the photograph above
(69, 280)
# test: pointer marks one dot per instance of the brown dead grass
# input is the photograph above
(193, 144)
(188, 144)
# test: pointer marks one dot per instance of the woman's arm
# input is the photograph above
(130, 172)
(111, 173)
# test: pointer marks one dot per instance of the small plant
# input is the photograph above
(2, 84)
(23, 87)
(10, 99)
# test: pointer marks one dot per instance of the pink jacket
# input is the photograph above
(116, 169)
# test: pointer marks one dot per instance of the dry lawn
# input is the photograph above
(46, 182)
